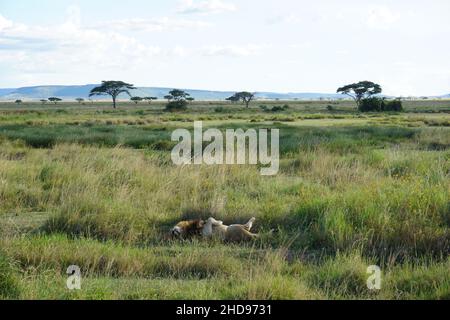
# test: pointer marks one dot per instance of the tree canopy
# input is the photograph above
(55, 100)
(233, 98)
(136, 100)
(178, 95)
(361, 90)
(177, 100)
(150, 99)
(243, 96)
(113, 89)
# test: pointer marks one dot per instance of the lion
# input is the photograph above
(187, 229)
(232, 233)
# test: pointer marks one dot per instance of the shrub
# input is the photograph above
(219, 110)
(176, 106)
(372, 104)
(375, 104)
(278, 109)
(394, 105)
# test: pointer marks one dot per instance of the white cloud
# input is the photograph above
(69, 47)
(326, 42)
(304, 45)
(55, 51)
(73, 14)
(289, 19)
(382, 18)
(205, 6)
(10, 27)
(152, 25)
(5, 23)
(233, 50)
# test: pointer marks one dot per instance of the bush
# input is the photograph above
(394, 105)
(277, 109)
(274, 109)
(375, 104)
(372, 104)
(219, 110)
(176, 106)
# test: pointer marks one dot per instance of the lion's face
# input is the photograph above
(185, 229)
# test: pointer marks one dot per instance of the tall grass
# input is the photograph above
(9, 285)
(383, 201)
(103, 196)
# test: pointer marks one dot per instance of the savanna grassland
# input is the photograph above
(95, 187)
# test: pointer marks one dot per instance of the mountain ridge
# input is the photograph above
(71, 92)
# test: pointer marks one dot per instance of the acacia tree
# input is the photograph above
(360, 91)
(55, 100)
(233, 99)
(113, 89)
(43, 101)
(177, 100)
(178, 95)
(150, 99)
(18, 101)
(136, 100)
(79, 100)
(245, 96)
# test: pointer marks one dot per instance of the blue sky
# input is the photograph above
(255, 45)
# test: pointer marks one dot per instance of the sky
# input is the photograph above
(253, 45)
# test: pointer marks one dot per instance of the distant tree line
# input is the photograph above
(177, 100)
(366, 94)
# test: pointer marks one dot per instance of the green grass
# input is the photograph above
(99, 135)
(9, 287)
(340, 139)
(96, 188)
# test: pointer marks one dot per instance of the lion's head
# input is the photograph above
(187, 229)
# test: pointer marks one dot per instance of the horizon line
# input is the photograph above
(209, 90)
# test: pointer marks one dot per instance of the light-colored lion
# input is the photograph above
(232, 233)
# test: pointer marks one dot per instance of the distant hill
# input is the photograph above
(82, 91)
(4, 92)
(44, 92)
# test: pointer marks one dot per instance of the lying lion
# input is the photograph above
(232, 233)
(214, 228)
